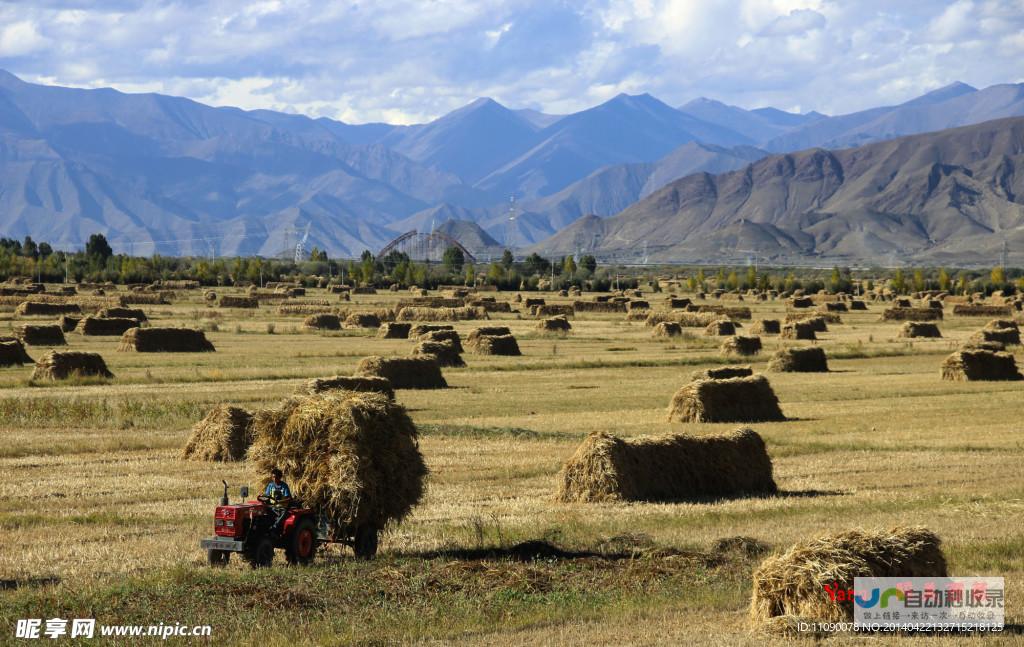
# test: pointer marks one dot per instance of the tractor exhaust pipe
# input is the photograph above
(224, 499)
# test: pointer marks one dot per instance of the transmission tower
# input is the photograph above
(510, 224)
(300, 247)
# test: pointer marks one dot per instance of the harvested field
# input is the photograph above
(165, 340)
(799, 360)
(740, 399)
(61, 365)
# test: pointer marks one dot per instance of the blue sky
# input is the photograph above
(405, 61)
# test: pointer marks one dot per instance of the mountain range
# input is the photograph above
(164, 174)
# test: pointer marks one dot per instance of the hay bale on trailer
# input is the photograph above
(223, 435)
(444, 336)
(165, 340)
(351, 383)
(122, 313)
(912, 329)
(667, 329)
(12, 353)
(739, 399)
(766, 327)
(720, 328)
(722, 373)
(362, 320)
(799, 360)
(495, 345)
(911, 314)
(970, 365)
(105, 326)
(404, 372)
(667, 468)
(353, 456)
(394, 330)
(234, 301)
(68, 323)
(60, 365)
(798, 330)
(554, 325)
(445, 352)
(793, 584)
(1005, 336)
(740, 345)
(40, 335)
(323, 321)
(981, 310)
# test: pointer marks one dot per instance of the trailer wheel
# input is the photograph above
(365, 543)
(261, 553)
(218, 558)
(302, 544)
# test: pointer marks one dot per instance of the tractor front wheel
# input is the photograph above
(302, 544)
(261, 553)
(218, 558)
(365, 542)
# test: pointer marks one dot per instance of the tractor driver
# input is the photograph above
(278, 495)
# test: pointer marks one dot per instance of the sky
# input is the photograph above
(406, 61)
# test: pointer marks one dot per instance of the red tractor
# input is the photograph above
(249, 529)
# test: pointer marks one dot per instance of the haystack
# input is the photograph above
(667, 329)
(1005, 336)
(974, 344)
(911, 314)
(980, 310)
(232, 301)
(362, 320)
(60, 365)
(553, 310)
(323, 321)
(165, 340)
(767, 327)
(1002, 324)
(444, 352)
(123, 313)
(486, 331)
(793, 584)
(801, 302)
(105, 326)
(68, 323)
(441, 314)
(598, 306)
(970, 365)
(445, 336)
(818, 323)
(722, 373)
(421, 329)
(740, 345)
(351, 383)
(495, 345)
(12, 353)
(394, 330)
(353, 456)
(739, 399)
(720, 328)
(857, 304)
(39, 308)
(554, 325)
(799, 360)
(41, 335)
(911, 329)
(833, 306)
(668, 468)
(404, 372)
(798, 330)
(223, 435)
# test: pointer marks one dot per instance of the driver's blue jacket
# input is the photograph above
(276, 492)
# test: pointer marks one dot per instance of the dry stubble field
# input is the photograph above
(100, 518)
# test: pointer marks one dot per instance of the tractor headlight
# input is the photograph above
(229, 524)
(218, 522)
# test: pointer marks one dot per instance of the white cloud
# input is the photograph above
(21, 38)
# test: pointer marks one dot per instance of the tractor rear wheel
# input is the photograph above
(260, 554)
(218, 558)
(301, 546)
(365, 542)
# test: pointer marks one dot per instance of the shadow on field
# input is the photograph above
(10, 585)
(808, 494)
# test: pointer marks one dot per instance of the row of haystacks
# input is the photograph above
(738, 399)
(105, 326)
(911, 314)
(668, 468)
(799, 360)
(122, 313)
(165, 340)
(915, 329)
(351, 383)
(971, 365)
(741, 345)
(441, 314)
(554, 326)
(982, 310)
(61, 365)
(793, 584)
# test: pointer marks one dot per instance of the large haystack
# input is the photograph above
(495, 345)
(857, 304)
(766, 327)
(362, 320)
(60, 365)
(123, 313)
(722, 373)
(322, 321)
(911, 314)
(486, 331)
(351, 383)
(444, 352)
(233, 301)
(798, 330)
(12, 353)
(165, 340)
(412, 313)
(793, 584)
(223, 435)
(352, 456)
(404, 372)
(740, 399)
(970, 365)
(799, 360)
(740, 345)
(720, 328)
(446, 336)
(1005, 336)
(818, 323)
(912, 329)
(41, 335)
(981, 310)
(105, 326)
(39, 308)
(668, 468)
(554, 325)
(667, 329)
(394, 330)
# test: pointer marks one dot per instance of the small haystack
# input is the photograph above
(444, 352)
(857, 304)
(801, 302)
(165, 340)
(495, 345)
(486, 331)
(722, 373)
(323, 321)
(793, 584)
(668, 468)
(970, 365)
(404, 372)
(362, 320)
(740, 345)
(41, 335)
(1005, 336)
(223, 435)
(798, 330)
(720, 328)
(351, 383)
(911, 329)
(799, 360)
(123, 313)
(833, 306)
(60, 365)
(353, 456)
(394, 330)
(740, 399)
(667, 329)
(766, 327)
(422, 329)
(12, 353)
(444, 336)
(554, 325)
(233, 301)
(105, 326)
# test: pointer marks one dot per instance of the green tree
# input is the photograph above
(453, 259)
(997, 276)
(918, 281)
(536, 264)
(732, 282)
(944, 282)
(318, 255)
(702, 280)
(751, 281)
(507, 259)
(569, 265)
(98, 249)
(470, 274)
(29, 249)
(366, 266)
(589, 263)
